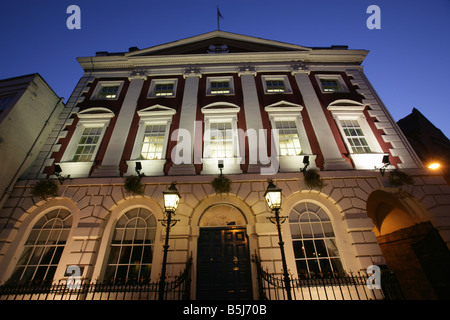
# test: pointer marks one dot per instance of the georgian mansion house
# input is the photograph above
(246, 113)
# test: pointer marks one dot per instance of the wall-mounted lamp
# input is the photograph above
(434, 165)
(306, 163)
(220, 165)
(386, 163)
(138, 168)
(57, 172)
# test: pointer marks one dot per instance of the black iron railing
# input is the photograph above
(178, 289)
(327, 287)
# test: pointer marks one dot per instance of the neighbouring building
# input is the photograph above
(253, 109)
(29, 110)
(430, 143)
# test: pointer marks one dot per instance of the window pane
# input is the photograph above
(299, 250)
(221, 140)
(108, 92)
(131, 250)
(87, 144)
(275, 86)
(355, 137)
(153, 142)
(220, 87)
(43, 249)
(163, 89)
(288, 138)
(330, 85)
(315, 246)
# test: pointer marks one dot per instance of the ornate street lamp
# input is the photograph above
(273, 199)
(171, 200)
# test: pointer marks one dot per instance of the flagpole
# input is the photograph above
(218, 22)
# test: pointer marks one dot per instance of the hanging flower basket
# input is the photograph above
(221, 184)
(45, 189)
(313, 180)
(398, 178)
(134, 186)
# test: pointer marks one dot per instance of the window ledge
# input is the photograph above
(230, 165)
(367, 161)
(295, 163)
(149, 167)
(76, 169)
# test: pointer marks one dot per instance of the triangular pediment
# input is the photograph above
(156, 109)
(217, 42)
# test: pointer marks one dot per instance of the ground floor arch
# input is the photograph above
(223, 255)
(411, 245)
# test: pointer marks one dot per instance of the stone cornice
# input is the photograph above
(317, 56)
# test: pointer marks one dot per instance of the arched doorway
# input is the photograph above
(223, 259)
(411, 246)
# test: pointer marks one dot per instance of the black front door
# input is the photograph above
(223, 265)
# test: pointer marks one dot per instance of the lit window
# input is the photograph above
(87, 144)
(154, 141)
(220, 87)
(275, 86)
(313, 240)
(164, 89)
(43, 249)
(288, 138)
(131, 251)
(330, 85)
(221, 140)
(355, 136)
(108, 92)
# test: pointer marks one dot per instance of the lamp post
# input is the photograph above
(171, 200)
(273, 199)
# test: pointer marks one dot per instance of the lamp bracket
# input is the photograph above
(274, 219)
(164, 222)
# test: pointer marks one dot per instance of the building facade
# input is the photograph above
(260, 109)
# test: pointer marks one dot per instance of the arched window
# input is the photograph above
(313, 240)
(131, 250)
(43, 248)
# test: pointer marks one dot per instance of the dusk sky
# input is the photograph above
(408, 63)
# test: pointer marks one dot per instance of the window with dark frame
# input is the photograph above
(163, 89)
(330, 85)
(220, 87)
(275, 86)
(108, 92)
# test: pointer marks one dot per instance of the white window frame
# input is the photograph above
(228, 79)
(287, 111)
(284, 78)
(92, 117)
(155, 82)
(52, 215)
(150, 232)
(154, 115)
(322, 229)
(353, 110)
(337, 77)
(221, 112)
(101, 84)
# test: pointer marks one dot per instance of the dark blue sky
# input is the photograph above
(408, 63)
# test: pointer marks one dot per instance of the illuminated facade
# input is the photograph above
(262, 108)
